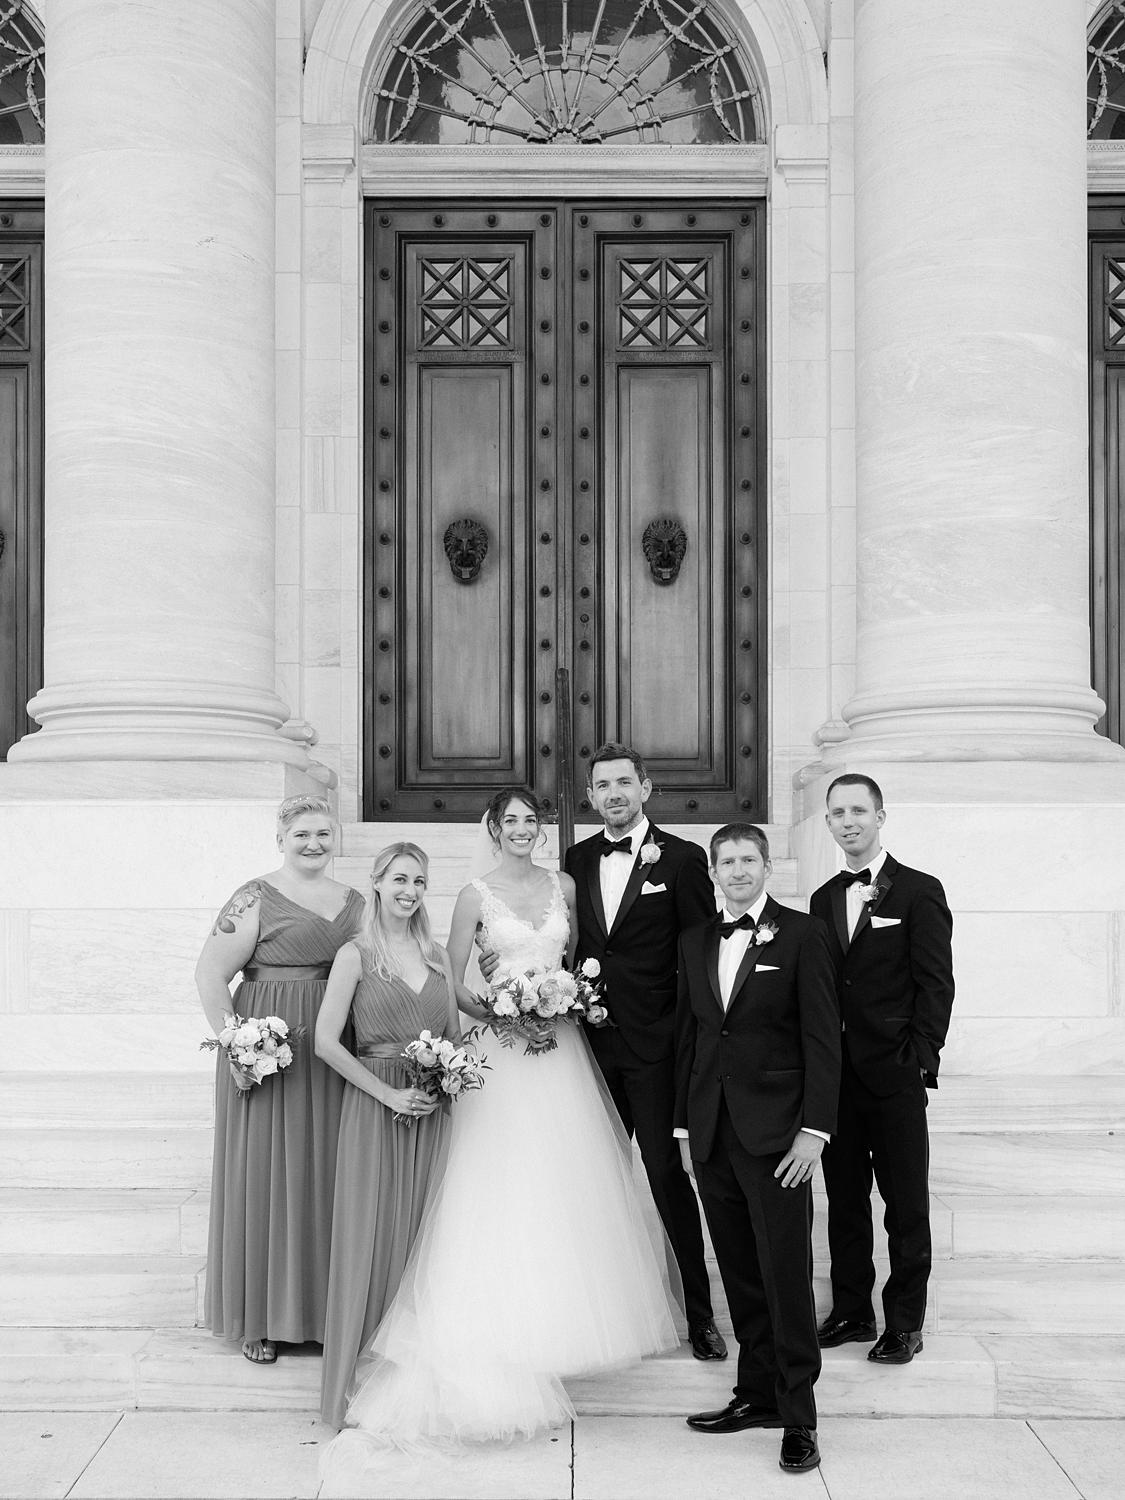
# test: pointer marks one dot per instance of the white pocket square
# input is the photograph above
(768, 968)
(886, 921)
(651, 890)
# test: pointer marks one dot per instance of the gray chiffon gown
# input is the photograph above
(274, 1169)
(385, 1173)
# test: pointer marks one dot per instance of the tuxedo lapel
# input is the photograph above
(594, 885)
(745, 970)
(883, 884)
(636, 880)
(754, 952)
(711, 945)
(839, 898)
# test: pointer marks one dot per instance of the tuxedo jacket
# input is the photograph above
(638, 954)
(773, 1056)
(895, 978)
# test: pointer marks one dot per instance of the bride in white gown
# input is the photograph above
(536, 1260)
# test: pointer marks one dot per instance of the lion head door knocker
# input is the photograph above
(664, 544)
(466, 547)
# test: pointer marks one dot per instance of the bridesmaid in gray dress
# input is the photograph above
(275, 1150)
(393, 981)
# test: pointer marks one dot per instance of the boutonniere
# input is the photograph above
(765, 932)
(867, 893)
(650, 852)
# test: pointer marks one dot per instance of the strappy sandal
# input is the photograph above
(266, 1351)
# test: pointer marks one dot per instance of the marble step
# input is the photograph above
(186, 1369)
(1013, 1295)
(143, 1155)
(110, 1157)
(989, 1295)
(108, 1099)
(986, 1102)
(173, 1221)
(103, 1222)
(965, 1103)
(1023, 1163)
(100, 1291)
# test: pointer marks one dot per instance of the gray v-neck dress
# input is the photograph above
(385, 1174)
(274, 1169)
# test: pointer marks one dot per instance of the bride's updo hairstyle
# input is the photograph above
(499, 805)
(371, 940)
(296, 807)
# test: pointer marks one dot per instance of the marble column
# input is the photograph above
(972, 490)
(160, 421)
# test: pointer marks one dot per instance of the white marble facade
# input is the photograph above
(876, 589)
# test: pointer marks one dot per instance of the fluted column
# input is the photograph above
(160, 424)
(972, 500)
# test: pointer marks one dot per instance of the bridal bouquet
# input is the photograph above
(441, 1069)
(526, 1007)
(255, 1048)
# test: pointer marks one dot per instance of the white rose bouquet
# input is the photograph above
(526, 1007)
(256, 1047)
(441, 1068)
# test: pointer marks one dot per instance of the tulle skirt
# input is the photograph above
(536, 1262)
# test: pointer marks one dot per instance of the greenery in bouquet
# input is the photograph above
(441, 1068)
(527, 1006)
(256, 1048)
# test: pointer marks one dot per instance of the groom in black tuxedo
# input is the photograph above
(757, 1077)
(637, 889)
(891, 935)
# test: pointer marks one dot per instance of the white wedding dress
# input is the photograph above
(535, 1261)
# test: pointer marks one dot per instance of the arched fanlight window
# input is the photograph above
(22, 78)
(564, 72)
(1105, 76)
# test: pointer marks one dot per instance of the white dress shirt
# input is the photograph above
(732, 950)
(855, 901)
(615, 869)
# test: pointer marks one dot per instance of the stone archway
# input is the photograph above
(345, 48)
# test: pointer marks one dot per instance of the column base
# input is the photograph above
(159, 721)
(1024, 723)
(194, 781)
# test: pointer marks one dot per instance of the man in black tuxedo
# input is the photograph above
(891, 935)
(757, 1078)
(637, 889)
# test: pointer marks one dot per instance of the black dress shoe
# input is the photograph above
(896, 1347)
(799, 1450)
(735, 1416)
(706, 1341)
(834, 1331)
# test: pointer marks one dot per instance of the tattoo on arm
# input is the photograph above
(239, 904)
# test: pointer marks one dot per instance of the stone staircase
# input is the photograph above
(103, 1214)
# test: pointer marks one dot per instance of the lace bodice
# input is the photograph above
(517, 944)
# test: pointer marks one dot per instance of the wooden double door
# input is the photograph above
(564, 452)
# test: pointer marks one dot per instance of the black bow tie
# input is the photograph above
(615, 846)
(854, 877)
(746, 921)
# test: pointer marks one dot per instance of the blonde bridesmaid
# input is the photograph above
(392, 982)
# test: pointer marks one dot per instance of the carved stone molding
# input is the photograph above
(328, 152)
(1105, 166)
(21, 171)
(593, 171)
